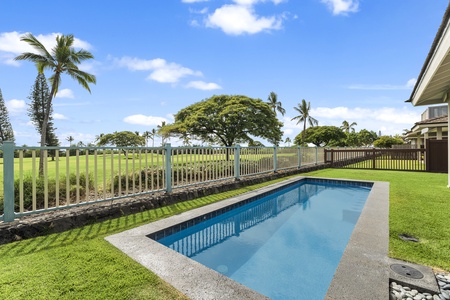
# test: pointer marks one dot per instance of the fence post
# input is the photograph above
(373, 158)
(237, 165)
(317, 155)
(332, 157)
(8, 181)
(168, 155)
(275, 159)
(299, 157)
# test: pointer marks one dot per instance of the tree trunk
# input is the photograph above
(44, 130)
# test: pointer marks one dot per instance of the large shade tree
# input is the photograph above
(274, 104)
(321, 136)
(61, 59)
(227, 120)
(304, 116)
(122, 139)
(387, 141)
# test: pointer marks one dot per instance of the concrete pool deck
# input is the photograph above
(362, 272)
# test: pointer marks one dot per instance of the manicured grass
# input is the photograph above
(80, 264)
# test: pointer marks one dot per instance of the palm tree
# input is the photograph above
(304, 109)
(274, 104)
(153, 134)
(288, 141)
(146, 135)
(161, 132)
(346, 127)
(98, 137)
(62, 59)
(70, 139)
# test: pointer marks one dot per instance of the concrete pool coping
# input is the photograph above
(362, 271)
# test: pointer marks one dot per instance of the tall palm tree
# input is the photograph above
(347, 127)
(161, 132)
(274, 104)
(304, 116)
(70, 139)
(146, 135)
(153, 134)
(62, 59)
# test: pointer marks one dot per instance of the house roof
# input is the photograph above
(433, 84)
(433, 121)
(431, 124)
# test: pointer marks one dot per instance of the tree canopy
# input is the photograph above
(387, 142)
(227, 120)
(121, 139)
(320, 135)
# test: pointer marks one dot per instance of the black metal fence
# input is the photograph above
(377, 159)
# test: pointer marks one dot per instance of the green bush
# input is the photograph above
(51, 186)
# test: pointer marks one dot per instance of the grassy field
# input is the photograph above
(80, 264)
(105, 166)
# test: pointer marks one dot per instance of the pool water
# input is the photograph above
(286, 245)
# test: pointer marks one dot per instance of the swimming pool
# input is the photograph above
(362, 267)
(285, 245)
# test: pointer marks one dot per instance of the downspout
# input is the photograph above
(448, 140)
(446, 99)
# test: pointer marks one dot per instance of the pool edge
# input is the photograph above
(199, 282)
(363, 270)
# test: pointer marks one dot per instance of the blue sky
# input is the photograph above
(353, 60)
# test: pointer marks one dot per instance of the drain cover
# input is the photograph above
(406, 271)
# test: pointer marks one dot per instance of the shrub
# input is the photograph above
(51, 186)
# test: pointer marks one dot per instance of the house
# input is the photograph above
(433, 125)
(433, 84)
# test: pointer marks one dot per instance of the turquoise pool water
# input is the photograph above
(285, 245)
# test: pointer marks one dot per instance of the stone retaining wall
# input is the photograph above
(62, 220)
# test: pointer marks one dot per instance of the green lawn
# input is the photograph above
(80, 264)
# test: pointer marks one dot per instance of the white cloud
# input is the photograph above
(15, 107)
(140, 119)
(162, 71)
(409, 85)
(388, 120)
(137, 64)
(58, 116)
(201, 85)
(384, 114)
(171, 73)
(342, 7)
(65, 93)
(11, 44)
(241, 19)
(8, 59)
